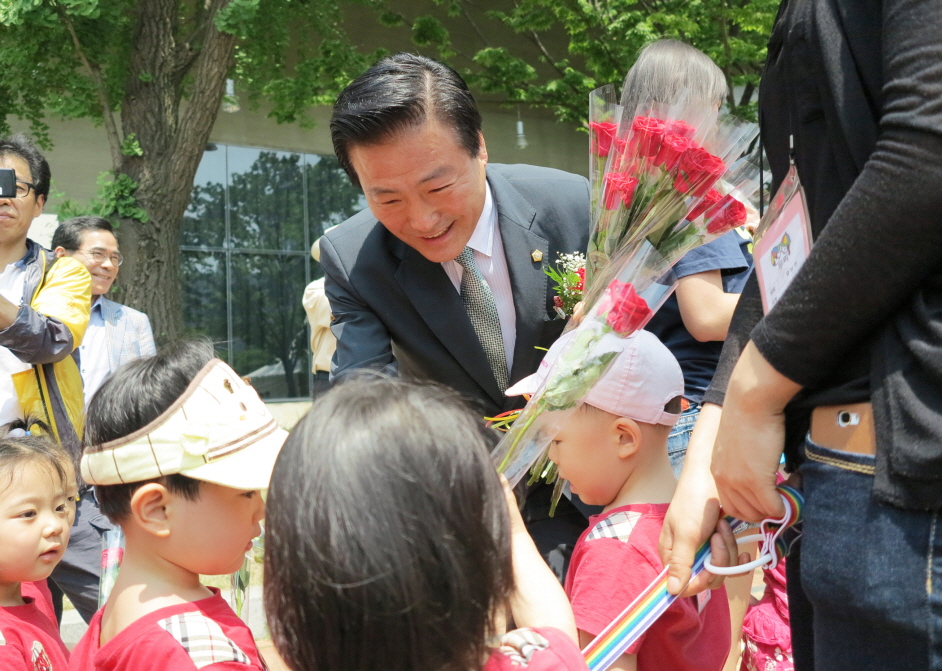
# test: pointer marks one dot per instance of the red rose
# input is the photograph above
(628, 186)
(709, 200)
(647, 133)
(671, 150)
(725, 216)
(681, 128)
(711, 169)
(628, 311)
(619, 185)
(698, 170)
(557, 302)
(581, 285)
(602, 135)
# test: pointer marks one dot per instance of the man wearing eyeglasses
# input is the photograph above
(116, 333)
(44, 306)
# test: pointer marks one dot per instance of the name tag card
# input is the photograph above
(783, 241)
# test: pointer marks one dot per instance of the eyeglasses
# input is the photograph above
(99, 257)
(23, 188)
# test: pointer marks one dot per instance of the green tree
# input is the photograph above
(154, 72)
(557, 51)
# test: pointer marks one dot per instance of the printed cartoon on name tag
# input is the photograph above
(782, 241)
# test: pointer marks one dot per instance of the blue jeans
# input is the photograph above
(680, 436)
(871, 573)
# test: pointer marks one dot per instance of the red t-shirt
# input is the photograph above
(40, 592)
(204, 634)
(616, 559)
(29, 641)
(536, 650)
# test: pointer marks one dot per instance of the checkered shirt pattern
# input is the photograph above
(620, 525)
(203, 639)
(479, 302)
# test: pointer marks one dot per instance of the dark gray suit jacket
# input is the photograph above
(394, 310)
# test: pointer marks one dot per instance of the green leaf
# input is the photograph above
(131, 147)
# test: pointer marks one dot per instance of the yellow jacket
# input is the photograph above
(47, 334)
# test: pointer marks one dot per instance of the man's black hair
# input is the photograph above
(134, 396)
(69, 233)
(398, 93)
(20, 145)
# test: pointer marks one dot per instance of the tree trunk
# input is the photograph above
(172, 135)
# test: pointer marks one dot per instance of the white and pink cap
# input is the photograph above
(638, 384)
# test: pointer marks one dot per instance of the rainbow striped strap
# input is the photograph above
(644, 611)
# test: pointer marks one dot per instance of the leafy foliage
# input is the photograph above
(580, 45)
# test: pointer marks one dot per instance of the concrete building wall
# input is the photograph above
(80, 149)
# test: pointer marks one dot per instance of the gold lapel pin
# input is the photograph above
(536, 255)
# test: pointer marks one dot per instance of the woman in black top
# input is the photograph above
(855, 343)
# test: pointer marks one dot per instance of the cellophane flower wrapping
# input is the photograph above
(112, 552)
(672, 180)
(240, 581)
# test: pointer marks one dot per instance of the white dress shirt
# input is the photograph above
(93, 352)
(492, 264)
(12, 285)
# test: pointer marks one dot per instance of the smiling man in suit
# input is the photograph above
(441, 278)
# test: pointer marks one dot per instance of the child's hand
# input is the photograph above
(513, 508)
(725, 551)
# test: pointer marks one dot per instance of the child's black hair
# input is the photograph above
(135, 395)
(388, 536)
(24, 446)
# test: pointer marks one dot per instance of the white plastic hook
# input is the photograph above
(767, 539)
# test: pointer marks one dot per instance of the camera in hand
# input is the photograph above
(7, 183)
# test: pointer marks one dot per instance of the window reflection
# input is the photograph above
(245, 245)
(204, 298)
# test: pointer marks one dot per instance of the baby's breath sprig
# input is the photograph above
(569, 276)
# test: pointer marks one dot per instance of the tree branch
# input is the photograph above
(212, 64)
(111, 126)
(474, 25)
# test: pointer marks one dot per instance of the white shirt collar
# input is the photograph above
(482, 240)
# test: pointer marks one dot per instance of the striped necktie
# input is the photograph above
(479, 302)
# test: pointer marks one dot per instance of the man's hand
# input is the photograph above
(8, 312)
(751, 438)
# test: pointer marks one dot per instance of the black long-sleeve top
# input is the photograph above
(858, 83)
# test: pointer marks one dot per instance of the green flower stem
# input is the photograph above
(511, 453)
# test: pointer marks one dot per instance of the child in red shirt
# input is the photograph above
(37, 506)
(613, 452)
(178, 448)
(391, 544)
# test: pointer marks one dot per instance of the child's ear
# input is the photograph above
(629, 436)
(149, 508)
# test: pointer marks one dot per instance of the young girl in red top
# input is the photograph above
(392, 545)
(37, 506)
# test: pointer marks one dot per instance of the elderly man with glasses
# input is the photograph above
(116, 333)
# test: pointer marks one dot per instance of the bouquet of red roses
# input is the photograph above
(665, 180)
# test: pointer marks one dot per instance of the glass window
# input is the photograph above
(271, 341)
(204, 298)
(245, 242)
(204, 224)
